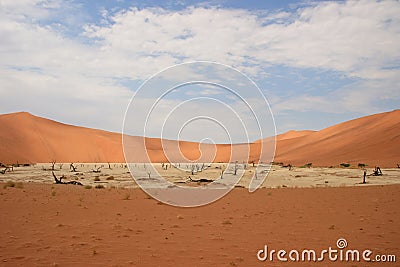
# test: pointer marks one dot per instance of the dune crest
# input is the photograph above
(373, 140)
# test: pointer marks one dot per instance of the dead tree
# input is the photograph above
(192, 169)
(149, 174)
(60, 165)
(236, 168)
(365, 176)
(53, 163)
(109, 166)
(377, 171)
(59, 181)
(398, 165)
(7, 168)
(73, 168)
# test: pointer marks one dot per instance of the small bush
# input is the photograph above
(88, 186)
(361, 165)
(53, 193)
(96, 179)
(344, 165)
(13, 184)
(110, 178)
(308, 165)
(127, 196)
(99, 186)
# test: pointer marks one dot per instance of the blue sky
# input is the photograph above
(318, 63)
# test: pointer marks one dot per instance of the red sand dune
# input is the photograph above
(373, 140)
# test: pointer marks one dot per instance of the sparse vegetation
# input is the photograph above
(110, 178)
(127, 196)
(88, 186)
(13, 184)
(308, 165)
(345, 165)
(99, 186)
(361, 165)
(96, 179)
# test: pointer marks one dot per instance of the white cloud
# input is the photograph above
(38, 61)
(345, 36)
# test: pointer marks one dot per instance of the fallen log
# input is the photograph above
(59, 181)
(201, 180)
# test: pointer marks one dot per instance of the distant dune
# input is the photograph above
(373, 140)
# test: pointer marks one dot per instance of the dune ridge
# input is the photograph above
(372, 140)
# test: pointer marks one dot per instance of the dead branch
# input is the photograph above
(53, 163)
(201, 180)
(59, 181)
(97, 170)
(74, 168)
(7, 168)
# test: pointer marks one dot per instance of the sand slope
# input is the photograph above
(374, 140)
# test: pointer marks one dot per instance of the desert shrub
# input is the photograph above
(13, 184)
(110, 178)
(361, 165)
(88, 186)
(99, 186)
(308, 165)
(97, 179)
(345, 165)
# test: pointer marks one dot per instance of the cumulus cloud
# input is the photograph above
(79, 72)
(353, 36)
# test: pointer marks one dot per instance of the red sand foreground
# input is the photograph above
(63, 225)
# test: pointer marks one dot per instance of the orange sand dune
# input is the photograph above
(373, 140)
